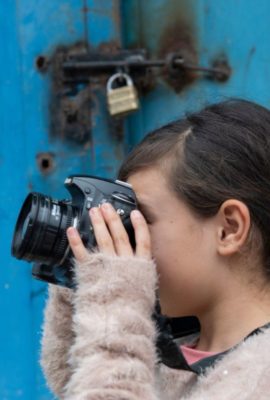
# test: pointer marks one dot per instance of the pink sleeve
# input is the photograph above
(113, 355)
(57, 338)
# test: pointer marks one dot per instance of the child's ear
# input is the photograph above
(233, 226)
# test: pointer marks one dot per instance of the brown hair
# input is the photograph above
(219, 153)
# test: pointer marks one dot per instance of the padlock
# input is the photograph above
(121, 100)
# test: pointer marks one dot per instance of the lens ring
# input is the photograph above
(40, 232)
(22, 231)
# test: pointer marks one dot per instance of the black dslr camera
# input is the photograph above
(40, 232)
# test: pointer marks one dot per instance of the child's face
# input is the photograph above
(182, 245)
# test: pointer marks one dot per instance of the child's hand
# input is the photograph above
(111, 236)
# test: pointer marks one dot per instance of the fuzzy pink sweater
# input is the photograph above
(99, 343)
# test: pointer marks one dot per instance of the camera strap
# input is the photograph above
(169, 350)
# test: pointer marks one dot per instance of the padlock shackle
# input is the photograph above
(116, 76)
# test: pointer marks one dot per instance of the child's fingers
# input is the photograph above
(102, 235)
(79, 250)
(117, 230)
(142, 235)
(117, 238)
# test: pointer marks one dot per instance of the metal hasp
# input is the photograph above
(77, 71)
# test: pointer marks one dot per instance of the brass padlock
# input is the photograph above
(122, 99)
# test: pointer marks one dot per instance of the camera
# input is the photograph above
(40, 231)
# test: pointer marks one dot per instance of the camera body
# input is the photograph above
(40, 232)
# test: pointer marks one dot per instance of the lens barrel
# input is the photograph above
(40, 231)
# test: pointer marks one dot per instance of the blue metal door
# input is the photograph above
(39, 149)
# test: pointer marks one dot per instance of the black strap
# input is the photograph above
(170, 352)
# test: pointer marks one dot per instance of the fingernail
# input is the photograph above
(71, 232)
(106, 206)
(93, 210)
(136, 214)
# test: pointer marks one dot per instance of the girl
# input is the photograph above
(202, 248)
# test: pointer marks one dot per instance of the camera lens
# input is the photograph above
(40, 231)
(25, 225)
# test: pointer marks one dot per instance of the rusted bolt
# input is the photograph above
(223, 71)
(45, 162)
(42, 63)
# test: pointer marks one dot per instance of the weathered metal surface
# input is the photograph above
(72, 94)
(33, 159)
(36, 157)
(163, 29)
(70, 104)
(179, 38)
